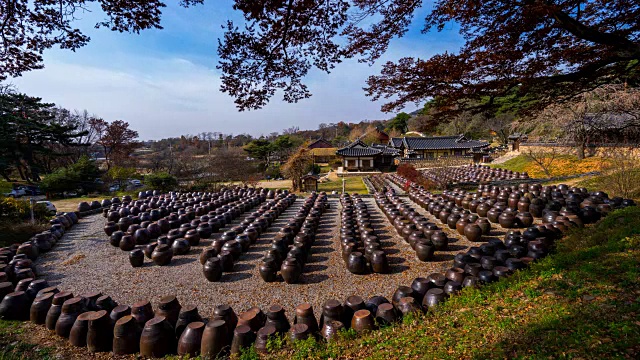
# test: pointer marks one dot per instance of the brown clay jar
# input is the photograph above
(158, 338)
(191, 339)
(126, 336)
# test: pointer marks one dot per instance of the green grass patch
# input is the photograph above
(353, 185)
(518, 163)
(13, 348)
(581, 302)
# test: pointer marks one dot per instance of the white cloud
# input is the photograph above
(163, 97)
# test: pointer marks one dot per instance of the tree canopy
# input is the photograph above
(548, 49)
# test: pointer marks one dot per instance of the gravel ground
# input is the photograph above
(83, 261)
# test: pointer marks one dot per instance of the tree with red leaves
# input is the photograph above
(116, 140)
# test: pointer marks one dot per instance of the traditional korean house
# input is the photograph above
(322, 151)
(358, 156)
(435, 147)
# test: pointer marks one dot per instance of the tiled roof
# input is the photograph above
(320, 144)
(442, 142)
(396, 142)
(387, 150)
(358, 148)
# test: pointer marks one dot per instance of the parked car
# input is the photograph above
(16, 193)
(114, 187)
(135, 183)
(50, 207)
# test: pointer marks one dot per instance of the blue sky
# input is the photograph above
(164, 82)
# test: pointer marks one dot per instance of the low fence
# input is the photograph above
(439, 162)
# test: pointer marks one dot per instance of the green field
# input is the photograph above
(353, 185)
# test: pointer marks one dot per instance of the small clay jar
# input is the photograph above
(115, 238)
(455, 274)
(126, 336)
(188, 315)
(277, 318)
(191, 339)
(142, 312)
(401, 292)
(433, 297)
(40, 307)
(363, 321)
(136, 257)
(253, 318)
(387, 314)
(149, 248)
(262, 338)
(71, 309)
(331, 310)
(100, 335)
(452, 287)
(216, 339)
(192, 237)
(330, 329)
(304, 315)
(56, 308)
(79, 330)
(180, 247)
(299, 332)
(158, 338)
(243, 338)
(15, 306)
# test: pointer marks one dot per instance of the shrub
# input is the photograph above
(15, 209)
(79, 175)
(161, 181)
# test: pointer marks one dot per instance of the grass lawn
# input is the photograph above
(562, 165)
(5, 187)
(71, 204)
(353, 185)
(518, 163)
(581, 302)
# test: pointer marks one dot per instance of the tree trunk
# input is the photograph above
(580, 151)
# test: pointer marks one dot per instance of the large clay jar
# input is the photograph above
(188, 315)
(192, 237)
(191, 339)
(357, 263)
(15, 306)
(136, 257)
(181, 247)
(127, 243)
(473, 232)
(484, 225)
(142, 312)
(226, 313)
(507, 220)
(440, 240)
(56, 308)
(291, 271)
(425, 250)
(212, 269)
(71, 309)
(126, 336)
(110, 228)
(40, 307)
(115, 238)
(158, 338)
(379, 262)
(268, 271)
(100, 335)
(243, 338)
(253, 318)
(525, 219)
(169, 307)
(216, 339)
(79, 330)
(162, 255)
(207, 253)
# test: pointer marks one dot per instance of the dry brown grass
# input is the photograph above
(72, 204)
